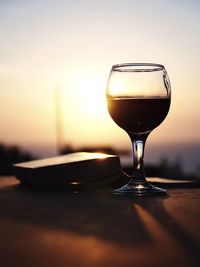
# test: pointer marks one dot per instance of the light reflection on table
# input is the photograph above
(59, 229)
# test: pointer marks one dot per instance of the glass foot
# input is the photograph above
(139, 189)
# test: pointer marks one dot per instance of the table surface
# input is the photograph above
(96, 228)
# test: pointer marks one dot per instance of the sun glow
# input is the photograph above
(84, 94)
(91, 92)
(83, 114)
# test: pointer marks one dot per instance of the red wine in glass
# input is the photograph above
(138, 100)
(138, 115)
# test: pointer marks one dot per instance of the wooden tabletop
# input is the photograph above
(97, 229)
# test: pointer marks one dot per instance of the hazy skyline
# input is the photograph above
(70, 46)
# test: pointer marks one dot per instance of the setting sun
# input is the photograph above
(82, 112)
(91, 94)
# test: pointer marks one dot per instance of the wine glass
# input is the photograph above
(138, 100)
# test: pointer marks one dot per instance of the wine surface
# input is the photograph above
(138, 115)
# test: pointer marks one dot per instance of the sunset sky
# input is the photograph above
(66, 49)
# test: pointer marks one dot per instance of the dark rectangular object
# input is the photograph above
(75, 169)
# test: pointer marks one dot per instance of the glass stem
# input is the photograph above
(138, 142)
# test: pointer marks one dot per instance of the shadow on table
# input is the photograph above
(160, 224)
(122, 220)
(97, 213)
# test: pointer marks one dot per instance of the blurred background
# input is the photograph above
(55, 58)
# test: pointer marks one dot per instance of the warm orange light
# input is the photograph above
(91, 95)
(83, 111)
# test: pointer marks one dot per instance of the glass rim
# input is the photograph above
(137, 67)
